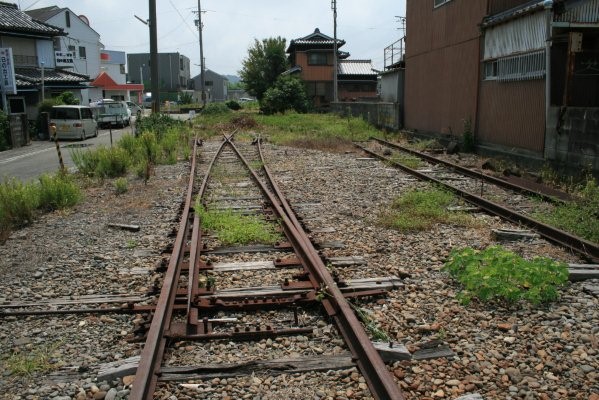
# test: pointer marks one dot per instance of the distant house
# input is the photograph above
(32, 44)
(522, 75)
(216, 86)
(173, 68)
(312, 58)
(356, 80)
(113, 79)
(79, 49)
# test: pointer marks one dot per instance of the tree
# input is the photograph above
(287, 93)
(266, 60)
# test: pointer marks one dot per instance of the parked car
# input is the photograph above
(73, 122)
(134, 108)
(245, 99)
(112, 113)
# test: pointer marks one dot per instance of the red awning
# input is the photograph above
(105, 81)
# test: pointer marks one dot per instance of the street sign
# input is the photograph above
(8, 82)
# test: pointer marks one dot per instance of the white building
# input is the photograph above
(79, 51)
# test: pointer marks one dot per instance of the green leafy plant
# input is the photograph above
(421, 209)
(233, 228)
(131, 243)
(496, 274)
(371, 326)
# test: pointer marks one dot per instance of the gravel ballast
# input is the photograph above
(524, 352)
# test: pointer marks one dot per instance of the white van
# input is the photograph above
(73, 122)
(112, 113)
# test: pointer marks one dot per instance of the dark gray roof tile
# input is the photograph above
(13, 20)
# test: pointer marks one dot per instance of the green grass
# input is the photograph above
(234, 228)
(315, 131)
(407, 160)
(496, 274)
(26, 363)
(580, 217)
(21, 202)
(421, 209)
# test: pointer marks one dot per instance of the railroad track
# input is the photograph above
(198, 306)
(486, 192)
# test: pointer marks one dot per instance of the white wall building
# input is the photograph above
(82, 43)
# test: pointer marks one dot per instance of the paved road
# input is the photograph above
(29, 162)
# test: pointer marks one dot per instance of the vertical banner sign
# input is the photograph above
(7, 71)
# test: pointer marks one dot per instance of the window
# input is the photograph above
(208, 83)
(72, 49)
(519, 67)
(56, 42)
(67, 17)
(122, 69)
(82, 52)
(16, 105)
(317, 59)
(490, 70)
(439, 3)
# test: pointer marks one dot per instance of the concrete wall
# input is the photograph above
(392, 86)
(575, 142)
(382, 115)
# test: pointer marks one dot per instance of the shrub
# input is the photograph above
(121, 185)
(496, 274)
(102, 162)
(288, 93)
(57, 192)
(186, 98)
(18, 202)
(468, 136)
(215, 109)
(157, 123)
(233, 105)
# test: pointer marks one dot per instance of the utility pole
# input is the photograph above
(154, 58)
(334, 8)
(202, 63)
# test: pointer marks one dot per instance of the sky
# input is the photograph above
(231, 26)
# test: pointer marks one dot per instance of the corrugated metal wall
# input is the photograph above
(517, 36)
(513, 114)
(442, 62)
(586, 12)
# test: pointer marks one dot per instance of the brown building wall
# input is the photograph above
(313, 72)
(442, 64)
(513, 114)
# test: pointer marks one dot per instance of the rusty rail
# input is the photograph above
(378, 378)
(368, 360)
(575, 244)
(153, 351)
(474, 174)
